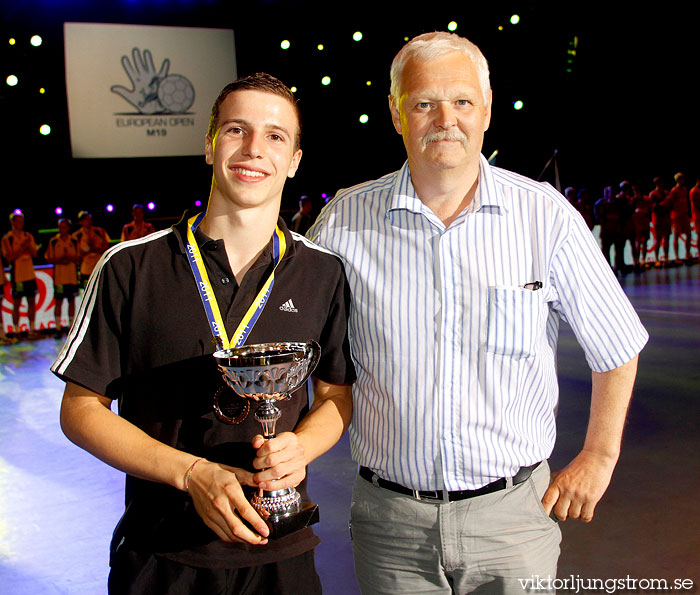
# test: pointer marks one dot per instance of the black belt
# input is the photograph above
(522, 475)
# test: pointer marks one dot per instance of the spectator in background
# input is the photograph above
(4, 339)
(19, 249)
(610, 211)
(92, 242)
(585, 207)
(680, 216)
(64, 254)
(625, 204)
(661, 217)
(302, 220)
(641, 218)
(570, 193)
(138, 228)
(695, 207)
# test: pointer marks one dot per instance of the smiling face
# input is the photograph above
(253, 150)
(441, 113)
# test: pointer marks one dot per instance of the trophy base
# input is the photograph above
(285, 525)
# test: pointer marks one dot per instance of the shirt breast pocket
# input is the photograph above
(513, 321)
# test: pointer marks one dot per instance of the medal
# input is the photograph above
(229, 407)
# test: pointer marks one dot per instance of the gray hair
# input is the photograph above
(429, 46)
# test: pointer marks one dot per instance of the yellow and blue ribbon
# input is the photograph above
(206, 291)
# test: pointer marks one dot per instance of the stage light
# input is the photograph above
(36, 41)
(320, 47)
(42, 90)
(197, 203)
(12, 41)
(500, 27)
(285, 45)
(109, 208)
(18, 212)
(326, 80)
(518, 105)
(515, 19)
(151, 205)
(45, 129)
(293, 89)
(12, 80)
(369, 83)
(573, 45)
(452, 26)
(58, 211)
(364, 118)
(357, 35)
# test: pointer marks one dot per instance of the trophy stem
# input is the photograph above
(267, 414)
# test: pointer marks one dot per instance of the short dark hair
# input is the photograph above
(260, 81)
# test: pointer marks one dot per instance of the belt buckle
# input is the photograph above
(426, 495)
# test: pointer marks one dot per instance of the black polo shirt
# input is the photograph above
(141, 336)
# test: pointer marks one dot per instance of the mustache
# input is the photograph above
(445, 135)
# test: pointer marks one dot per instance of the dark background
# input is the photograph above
(628, 110)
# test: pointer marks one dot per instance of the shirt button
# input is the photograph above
(212, 246)
(224, 280)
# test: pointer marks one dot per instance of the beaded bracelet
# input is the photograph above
(189, 474)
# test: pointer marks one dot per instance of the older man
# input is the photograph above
(460, 274)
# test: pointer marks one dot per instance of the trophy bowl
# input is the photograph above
(267, 373)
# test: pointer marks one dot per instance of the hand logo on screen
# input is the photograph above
(154, 92)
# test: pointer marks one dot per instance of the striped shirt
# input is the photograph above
(454, 349)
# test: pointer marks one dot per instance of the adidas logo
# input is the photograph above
(288, 306)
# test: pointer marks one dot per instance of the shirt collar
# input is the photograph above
(180, 229)
(403, 195)
(488, 193)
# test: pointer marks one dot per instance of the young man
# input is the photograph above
(93, 241)
(19, 249)
(143, 337)
(139, 227)
(460, 274)
(63, 253)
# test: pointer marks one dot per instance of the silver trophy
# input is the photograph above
(271, 372)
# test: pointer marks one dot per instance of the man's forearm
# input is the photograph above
(215, 489)
(87, 421)
(328, 419)
(610, 399)
(576, 490)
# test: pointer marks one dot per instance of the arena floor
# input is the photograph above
(58, 505)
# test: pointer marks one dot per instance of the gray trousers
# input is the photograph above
(495, 543)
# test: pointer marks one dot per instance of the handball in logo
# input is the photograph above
(176, 94)
(154, 92)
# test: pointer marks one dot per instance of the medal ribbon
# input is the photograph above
(206, 292)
